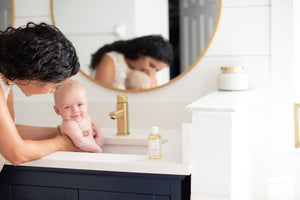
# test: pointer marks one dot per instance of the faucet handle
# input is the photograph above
(122, 98)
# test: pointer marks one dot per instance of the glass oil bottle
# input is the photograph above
(154, 143)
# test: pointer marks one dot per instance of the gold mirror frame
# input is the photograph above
(12, 20)
(163, 85)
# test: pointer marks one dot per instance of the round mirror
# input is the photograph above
(6, 14)
(188, 26)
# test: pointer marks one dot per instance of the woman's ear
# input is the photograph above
(56, 110)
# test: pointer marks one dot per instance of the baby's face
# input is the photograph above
(137, 80)
(72, 105)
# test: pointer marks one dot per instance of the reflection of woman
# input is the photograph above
(112, 62)
(37, 59)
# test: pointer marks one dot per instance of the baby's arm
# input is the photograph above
(98, 135)
(72, 129)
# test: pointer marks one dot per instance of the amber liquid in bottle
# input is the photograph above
(154, 143)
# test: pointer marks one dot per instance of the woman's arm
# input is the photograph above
(17, 150)
(37, 133)
(105, 71)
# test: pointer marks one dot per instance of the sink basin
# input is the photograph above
(135, 143)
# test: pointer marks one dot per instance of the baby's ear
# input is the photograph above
(56, 110)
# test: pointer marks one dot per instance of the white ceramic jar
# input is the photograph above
(232, 78)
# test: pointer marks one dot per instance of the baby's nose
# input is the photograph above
(75, 109)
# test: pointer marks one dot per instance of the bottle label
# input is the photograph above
(154, 147)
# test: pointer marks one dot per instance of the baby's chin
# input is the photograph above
(76, 118)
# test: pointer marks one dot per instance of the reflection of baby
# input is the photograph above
(71, 104)
(137, 80)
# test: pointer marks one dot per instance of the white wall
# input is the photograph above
(5, 14)
(243, 38)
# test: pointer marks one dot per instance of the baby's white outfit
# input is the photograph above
(6, 89)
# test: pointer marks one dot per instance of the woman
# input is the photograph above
(111, 63)
(37, 59)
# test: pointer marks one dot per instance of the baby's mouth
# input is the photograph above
(75, 117)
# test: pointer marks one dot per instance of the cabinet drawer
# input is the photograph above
(25, 192)
(96, 195)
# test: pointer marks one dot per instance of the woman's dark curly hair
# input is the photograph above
(37, 52)
(152, 45)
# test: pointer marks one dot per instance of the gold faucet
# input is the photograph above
(121, 114)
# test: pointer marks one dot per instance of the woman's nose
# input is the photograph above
(146, 70)
(51, 91)
(150, 71)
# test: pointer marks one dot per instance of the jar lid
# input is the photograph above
(232, 69)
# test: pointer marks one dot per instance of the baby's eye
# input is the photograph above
(67, 107)
(81, 104)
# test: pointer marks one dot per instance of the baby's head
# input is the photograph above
(70, 101)
(137, 80)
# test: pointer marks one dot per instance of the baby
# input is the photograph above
(137, 80)
(71, 104)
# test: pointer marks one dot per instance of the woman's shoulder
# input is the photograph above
(107, 62)
(4, 86)
(118, 60)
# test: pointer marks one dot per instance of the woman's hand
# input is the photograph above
(95, 129)
(66, 143)
(153, 80)
(86, 133)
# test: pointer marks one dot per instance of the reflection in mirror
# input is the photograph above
(91, 24)
(6, 12)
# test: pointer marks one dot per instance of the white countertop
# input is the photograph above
(110, 162)
(220, 101)
(116, 156)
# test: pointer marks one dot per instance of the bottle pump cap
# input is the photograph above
(154, 129)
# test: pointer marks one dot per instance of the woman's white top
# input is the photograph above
(121, 69)
(6, 89)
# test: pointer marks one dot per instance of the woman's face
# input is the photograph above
(149, 65)
(36, 87)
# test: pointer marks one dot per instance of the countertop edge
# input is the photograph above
(139, 165)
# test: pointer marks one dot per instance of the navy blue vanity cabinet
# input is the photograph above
(27, 192)
(37, 183)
